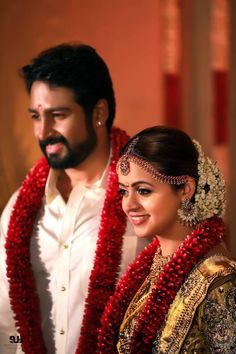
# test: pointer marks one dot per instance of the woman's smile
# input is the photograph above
(138, 219)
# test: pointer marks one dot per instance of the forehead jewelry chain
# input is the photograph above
(123, 166)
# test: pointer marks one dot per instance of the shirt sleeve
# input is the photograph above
(8, 333)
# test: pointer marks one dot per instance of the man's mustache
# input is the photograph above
(52, 141)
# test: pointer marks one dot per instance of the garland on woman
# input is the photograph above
(195, 246)
(22, 286)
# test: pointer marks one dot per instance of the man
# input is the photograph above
(62, 244)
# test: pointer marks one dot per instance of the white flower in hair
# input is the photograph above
(210, 194)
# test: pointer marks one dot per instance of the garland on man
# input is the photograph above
(22, 286)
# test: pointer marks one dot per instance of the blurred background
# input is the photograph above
(172, 62)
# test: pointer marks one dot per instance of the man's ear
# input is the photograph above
(189, 189)
(100, 113)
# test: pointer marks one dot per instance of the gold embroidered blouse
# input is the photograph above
(201, 319)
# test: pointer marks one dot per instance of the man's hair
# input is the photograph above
(77, 67)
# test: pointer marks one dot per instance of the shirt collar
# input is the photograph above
(51, 190)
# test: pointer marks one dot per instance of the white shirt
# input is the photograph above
(63, 247)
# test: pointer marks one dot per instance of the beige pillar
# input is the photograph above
(196, 72)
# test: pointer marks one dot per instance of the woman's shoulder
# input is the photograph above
(216, 315)
(217, 266)
(211, 282)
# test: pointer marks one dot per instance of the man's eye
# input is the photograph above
(58, 115)
(144, 191)
(122, 192)
(35, 116)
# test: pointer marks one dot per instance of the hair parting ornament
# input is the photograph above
(123, 166)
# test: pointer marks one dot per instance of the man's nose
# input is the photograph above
(44, 129)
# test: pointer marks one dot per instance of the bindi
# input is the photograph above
(40, 107)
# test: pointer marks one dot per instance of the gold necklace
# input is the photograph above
(130, 321)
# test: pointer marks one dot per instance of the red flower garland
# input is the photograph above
(22, 287)
(195, 246)
(118, 303)
(108, 254)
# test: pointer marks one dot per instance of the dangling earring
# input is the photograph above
(188, 213)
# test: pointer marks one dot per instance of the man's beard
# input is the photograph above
(74, 156)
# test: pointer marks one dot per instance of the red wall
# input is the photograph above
(126, 33)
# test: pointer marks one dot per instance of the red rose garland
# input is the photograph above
(22, 287)
(108, 254)
(118, 303)
(195, 246)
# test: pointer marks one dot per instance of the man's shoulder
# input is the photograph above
(5, 216)
(39, 168)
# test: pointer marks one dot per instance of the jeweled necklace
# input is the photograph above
(22, 287)
(195, 246)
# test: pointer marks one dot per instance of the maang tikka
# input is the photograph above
(123, 166)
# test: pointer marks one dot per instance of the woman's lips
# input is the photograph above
(139, 219)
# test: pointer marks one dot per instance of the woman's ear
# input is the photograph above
(100, 113)
(189, 188)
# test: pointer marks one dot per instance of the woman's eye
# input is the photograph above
(144, 191)
(122, 192)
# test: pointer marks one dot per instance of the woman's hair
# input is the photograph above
(169, 150)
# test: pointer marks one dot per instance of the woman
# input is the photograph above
(179, 296)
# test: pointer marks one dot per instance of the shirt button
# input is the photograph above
(63, 288)
(62, 331)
